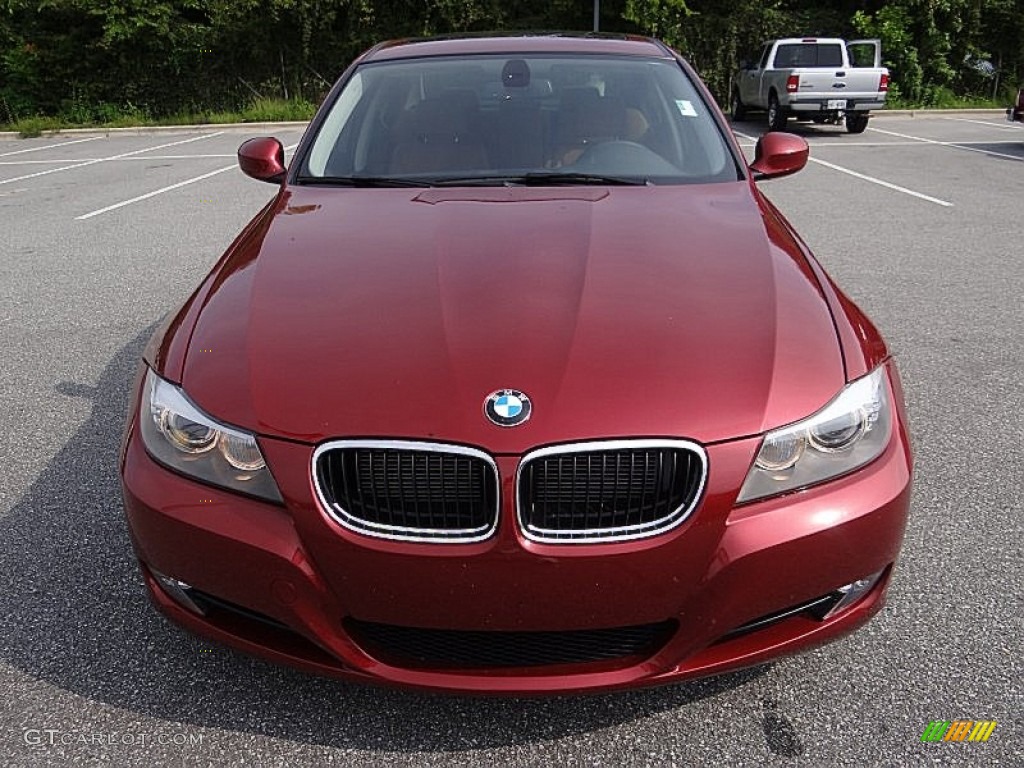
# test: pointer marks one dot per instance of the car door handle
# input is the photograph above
(840, 74)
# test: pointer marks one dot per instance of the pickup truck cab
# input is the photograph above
(822, 79)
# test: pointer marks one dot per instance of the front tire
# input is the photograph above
(776, 114)
(738, 111)
(856, 122)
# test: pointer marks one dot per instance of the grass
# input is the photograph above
(277, 110)
(105, 116)
(940, 97)
(265, 110)
(951, 102)
(30, 127)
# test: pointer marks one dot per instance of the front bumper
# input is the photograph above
(286, 582)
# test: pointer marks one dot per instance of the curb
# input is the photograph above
(262, 127)
(142, 130)
(937, 112)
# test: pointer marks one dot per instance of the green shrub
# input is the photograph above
(31, 127)
(117, 116)
(277, 110)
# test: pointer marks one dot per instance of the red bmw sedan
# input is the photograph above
(518, 384)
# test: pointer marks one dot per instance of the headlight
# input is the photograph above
(176, 433)
(846, 434)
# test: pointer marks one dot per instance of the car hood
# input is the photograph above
(683, 311)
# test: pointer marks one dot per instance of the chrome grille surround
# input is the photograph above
(592, 535)
(441, 535)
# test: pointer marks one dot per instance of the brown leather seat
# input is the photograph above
(439, 135)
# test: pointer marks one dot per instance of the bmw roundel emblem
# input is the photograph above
(508, 407)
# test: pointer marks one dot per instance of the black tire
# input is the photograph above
(777, 116)
(856, 122)
(737, 109)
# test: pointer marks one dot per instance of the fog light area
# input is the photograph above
(178, 591)
(853, 592)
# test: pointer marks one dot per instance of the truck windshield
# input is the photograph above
(495, 119)
(809, 55)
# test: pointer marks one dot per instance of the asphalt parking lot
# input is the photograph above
(920, 219)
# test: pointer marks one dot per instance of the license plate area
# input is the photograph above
(833, 104)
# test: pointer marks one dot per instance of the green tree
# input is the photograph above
(85, 58)
(892, 25)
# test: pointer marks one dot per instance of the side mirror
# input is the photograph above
(745, 64)
(778, 154)
(262, 159)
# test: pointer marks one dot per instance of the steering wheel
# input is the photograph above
(624, 158)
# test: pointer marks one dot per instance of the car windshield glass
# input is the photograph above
(500, 120)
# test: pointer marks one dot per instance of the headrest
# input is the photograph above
(584, 113)
(450, 114)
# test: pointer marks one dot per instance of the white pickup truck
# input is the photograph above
(822, 79)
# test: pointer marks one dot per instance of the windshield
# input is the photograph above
(494, 120)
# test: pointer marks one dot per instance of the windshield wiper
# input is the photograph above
(540, 179)
(364, 181)
(531, 179)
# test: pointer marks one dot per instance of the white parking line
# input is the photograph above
(881, 183)
(49, 146)
(1004, 125)
(154, 193)
(219, 156)
(871, 179)
(964, 144)
(863, 143)
(107, 159)
(833, 143)
(160, 191)
(952, 145)
(146, 158)
(45, 162)
(746, 136)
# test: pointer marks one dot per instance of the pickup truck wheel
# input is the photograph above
(776, 115)
(738, 110)
(856, 122)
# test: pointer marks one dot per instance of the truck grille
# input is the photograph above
(407, 490)
(610, 491)
(457, 649)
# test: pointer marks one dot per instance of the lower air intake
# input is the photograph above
(444, 648)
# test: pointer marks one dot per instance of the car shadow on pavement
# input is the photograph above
(758, 126)
(75, 615)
